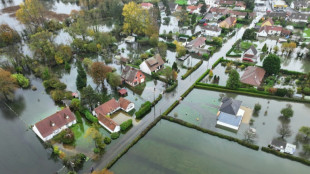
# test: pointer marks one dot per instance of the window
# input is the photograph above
(140, 75)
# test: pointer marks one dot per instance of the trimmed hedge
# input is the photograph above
(190, 71)
(249, 92)
(172, 87)
(287, 156)
(90, 116)
(203, 76)
(287, 72)
(217, 62)
(145, 108)
(126, 125)
(187, 91)
(141, 135)
(175, 104)
(171, 45)
(78, 117)
(157, 100)
(189, 125)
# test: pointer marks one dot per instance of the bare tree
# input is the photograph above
(284, 130)
(249, 136)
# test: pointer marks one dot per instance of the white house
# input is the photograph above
(211, 30)
(130, 39)
(152, 64)
(299, 17)
(108, 108)
(269, 30)
(47, 128)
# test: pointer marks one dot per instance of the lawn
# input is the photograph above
(239, 25)
(307, 32)
(181, 2)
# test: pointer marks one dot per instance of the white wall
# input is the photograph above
(144, 68)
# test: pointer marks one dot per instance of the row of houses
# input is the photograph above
(293, 17)
(267, 28)
(233, 13)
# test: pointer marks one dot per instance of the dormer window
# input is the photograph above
(52, 124)
(66, 116)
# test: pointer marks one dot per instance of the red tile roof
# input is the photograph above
(108, 122)
(253, 76)
(123, 91)
(48, 125)
(107, 107)
(146, 4)
(268, 28)
(123, 103)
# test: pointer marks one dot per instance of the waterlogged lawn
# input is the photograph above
(172, 148)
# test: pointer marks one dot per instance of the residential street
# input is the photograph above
(163, 104)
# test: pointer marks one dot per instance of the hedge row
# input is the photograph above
(78, 117)
(90, 116)
(217, 62)
(175, 104)
(157, 100)
(287, 156)
(126, 125)
(287, 72)
(189, 125)
(187, 91)
(191, 70)
(172, 87)
(203, 76)
(141, 135)
(248, 92)
(145, 108)
(171, 45)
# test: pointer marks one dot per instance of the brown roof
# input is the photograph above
(268, 28)
(123, 91)
(198, 41)
(48, 125)
(285, 32)
(107, 122)
(212, 28)
(107, 107)
(224, 2)
(123, 103)
(230, 20)
(253, 76)
(154, 62)
(129, 73)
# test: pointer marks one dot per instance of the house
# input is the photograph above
(300, 4)
(172, 6)
(238, 14)
(285, 32)
(108, 108)
(230, 115)
(268, 22)
(132, 76)
(269, 30)
(130, 39)
(299, 17)
(212, 3)
(283, 146)
(147, 5)
(196, 43)
(260, 5)
(253, 76)
(152, 64)
(211, 30)
(227, 3)
(47, 128)
(192, 2)
(250, 54)
(240, 5)
(194, 8)
(279, 15)
(228, 22)
(279, 5)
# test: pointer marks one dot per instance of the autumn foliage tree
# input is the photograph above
(136, 19)
(8, 36)
(99, 72)
(31, 13)
(7, 84)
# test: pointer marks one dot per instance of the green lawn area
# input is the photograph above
(181, 2)
(239, 25)
(307, 32)
(246, 45)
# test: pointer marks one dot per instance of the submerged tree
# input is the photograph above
(287, 112)
(114, 80)
(81, 79)
(272, 64)
(284, 130)
(99, 72)
(7, 84)
(89, 97)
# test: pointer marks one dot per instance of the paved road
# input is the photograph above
(162, 105)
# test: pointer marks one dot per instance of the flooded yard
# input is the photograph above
(171, 148)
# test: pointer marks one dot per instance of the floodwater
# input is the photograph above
(172, 148)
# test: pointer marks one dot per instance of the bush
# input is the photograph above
(172, 87)
(306, 90)
(107, 140)
(114, 135)
(78, 117)
(145, 108)
(206, 56)
(257, 107)
(90, 116)
(126, 125)
(66, 137)
(287, 156)
(96, 150)
(157, 100)
(171, 45)
(22, 80)
(54, 83)
(190, 71)
(281, 92)
(75, 104)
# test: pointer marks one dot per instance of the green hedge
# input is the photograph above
(249, 92)
(189, 125)
(287, 156)
(190, 71)
(187, 91)
(90, 116)
(217, 62)
(78, 117)
(175, 104)
(171, 45)
(126, 125)
(287, 72)
(157, 100)
(141, 135)
(145, 108)
(172, 87)
(203, 76)
(114, 135)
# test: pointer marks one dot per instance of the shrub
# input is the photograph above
(157, 99)
(54, 83)
(172, 87)
(126, 125)
(257, 107)
(145, 108)
(96, 150)
(90, 117)
(57, 95)
(21, 80)
(75, 104)
(206, 56)
(114, 135)
(306, 90)
(281, 92)
(66, 137)
(107, 140)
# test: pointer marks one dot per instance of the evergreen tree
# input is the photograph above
(272, 64)
(81, 79)
(265, 49)
(233, 81)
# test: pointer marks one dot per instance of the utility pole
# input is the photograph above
(154, 104)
